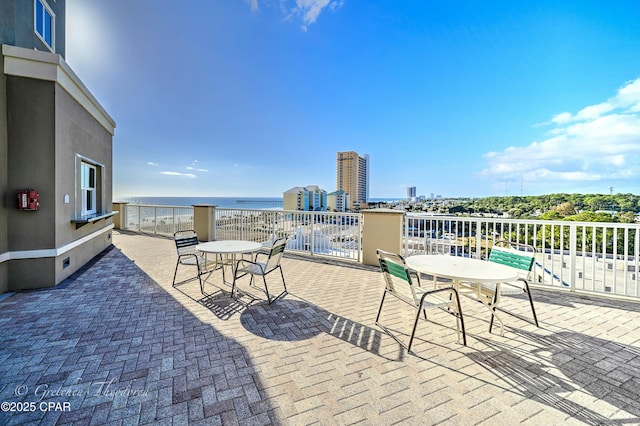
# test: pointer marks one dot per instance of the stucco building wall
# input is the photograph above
(4, 243)
(49, 125)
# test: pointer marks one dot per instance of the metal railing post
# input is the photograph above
(360, 224)
(155, 220)
(212, 227)
(478, 240)
(274, 222)
(573, 248)
(405, 235)
(312, 239)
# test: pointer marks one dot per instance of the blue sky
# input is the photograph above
(458, 98)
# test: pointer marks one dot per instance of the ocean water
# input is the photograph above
(253, 203)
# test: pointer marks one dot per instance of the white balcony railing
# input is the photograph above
(319, 233)
(158, 219)
(592, 257)
(322, 233)
(577, 256)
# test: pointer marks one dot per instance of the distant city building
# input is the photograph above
(352, 177)
(308, 198)
(338, 201)
(411, 192)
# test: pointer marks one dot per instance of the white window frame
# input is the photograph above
(46, 10)
(88, 189)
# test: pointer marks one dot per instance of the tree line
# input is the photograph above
(577, 207)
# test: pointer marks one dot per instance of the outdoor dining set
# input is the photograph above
(505, 272)
(218, 255)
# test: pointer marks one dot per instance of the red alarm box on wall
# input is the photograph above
(28, 200)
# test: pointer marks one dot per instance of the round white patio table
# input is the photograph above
(471, 273)
(230, 248)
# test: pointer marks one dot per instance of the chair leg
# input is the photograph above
(493, 308)
(224, 278)
(413, 332)
(533, 310)
(283, 282)
(266, 289)
(459, 317)
(234, 287)
(380, 309)
(175, 274)
(200, 279)
(233, 284)
(198, 273)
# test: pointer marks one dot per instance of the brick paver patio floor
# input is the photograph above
(117, 344)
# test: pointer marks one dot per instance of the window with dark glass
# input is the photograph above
(44, 22)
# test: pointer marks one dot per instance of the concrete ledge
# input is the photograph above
(53, 252)
(26, 273)
(21, 62)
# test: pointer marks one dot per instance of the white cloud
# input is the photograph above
(561, 118)
(601, 142)
(629, 96)
(310, 10)
(151, 163)
(307, 10)
(594, 111)
(254, 5)
(194, 167)
(336, 4)
(187, 175)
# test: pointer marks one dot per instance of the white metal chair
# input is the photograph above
(520, 257)
(256, 268)
(399, 283)
(186, 242)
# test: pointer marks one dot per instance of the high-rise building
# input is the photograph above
(308, 198)
(338, 201)
(411, 192)
(352, 177)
